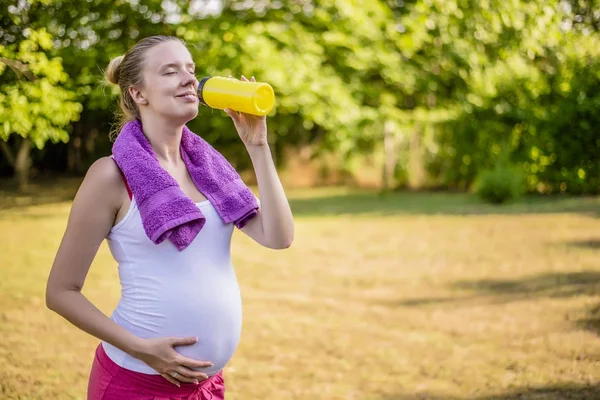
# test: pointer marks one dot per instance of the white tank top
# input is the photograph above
(166, 292)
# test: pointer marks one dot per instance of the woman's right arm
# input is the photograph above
(92, 215)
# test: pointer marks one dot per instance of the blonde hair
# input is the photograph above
(126, 71)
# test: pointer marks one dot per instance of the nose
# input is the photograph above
(190, 79)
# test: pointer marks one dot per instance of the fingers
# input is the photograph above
(183, 341)
(191, 363)
(182, 367)
(184, 375)
(171, 379)
(245, 79)
(189, 375)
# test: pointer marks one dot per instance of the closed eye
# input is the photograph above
(174, 72)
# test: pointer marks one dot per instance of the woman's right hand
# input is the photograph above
(160, 355)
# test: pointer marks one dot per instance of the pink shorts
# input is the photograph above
(109, 381)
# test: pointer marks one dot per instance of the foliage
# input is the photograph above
(33, 103)
(501, 184)
(475, 73)
(531, 81)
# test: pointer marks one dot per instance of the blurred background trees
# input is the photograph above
(489, 95)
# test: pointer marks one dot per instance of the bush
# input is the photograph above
(501, 184)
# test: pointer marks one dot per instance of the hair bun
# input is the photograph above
(112, 72)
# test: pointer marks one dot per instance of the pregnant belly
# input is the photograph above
(213, 315)
(217, 327)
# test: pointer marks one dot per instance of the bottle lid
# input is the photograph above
(201, 87)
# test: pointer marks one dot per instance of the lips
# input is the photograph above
(188, 95)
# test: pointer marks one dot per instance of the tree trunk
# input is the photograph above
(416, 169)
(390, 154)
(75, 156)
(7, 153)
(23, 164)
(75, 147)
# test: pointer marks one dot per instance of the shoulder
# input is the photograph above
(103, 179)
(104, 171)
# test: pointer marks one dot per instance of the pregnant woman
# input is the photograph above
(167, 203)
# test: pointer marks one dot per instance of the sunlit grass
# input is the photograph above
(406, 296)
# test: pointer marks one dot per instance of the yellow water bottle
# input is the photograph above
(256, 98)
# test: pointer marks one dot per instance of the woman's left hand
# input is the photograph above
(251, 128)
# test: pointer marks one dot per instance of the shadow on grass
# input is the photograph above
(552, 285)
(544, 285)
(416, 397)
(372, 203)
(339, 201)
(592, 321)
(556, 392)
(503, 291)
(587, 244)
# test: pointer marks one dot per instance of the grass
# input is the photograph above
(405, 296)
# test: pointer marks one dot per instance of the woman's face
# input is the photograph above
(170, 85)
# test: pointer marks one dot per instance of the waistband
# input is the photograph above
(152, 385)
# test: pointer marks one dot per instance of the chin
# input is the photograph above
(183, 118)
(190, 116)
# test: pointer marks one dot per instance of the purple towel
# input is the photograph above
(167, 213)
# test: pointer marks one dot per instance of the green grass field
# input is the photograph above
(407, 296)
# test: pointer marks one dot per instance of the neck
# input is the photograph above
(164, 137)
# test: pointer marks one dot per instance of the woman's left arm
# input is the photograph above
(273, 226)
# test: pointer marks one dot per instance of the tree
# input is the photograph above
(34, 108)
(438, 84)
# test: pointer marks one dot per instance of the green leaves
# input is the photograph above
(33, 103)
(468, 77)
